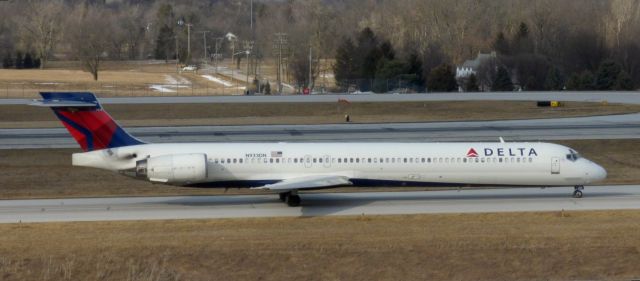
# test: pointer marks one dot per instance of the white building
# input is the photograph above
(471, 66)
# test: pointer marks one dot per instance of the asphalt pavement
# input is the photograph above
(320, 204)
(597, 127)
(611, 97)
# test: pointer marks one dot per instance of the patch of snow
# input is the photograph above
(218, 80)
(362, 93)
(48, 83)
(172, 84)
(288, 86)
(161, 88)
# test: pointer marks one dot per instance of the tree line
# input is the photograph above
(539, 45)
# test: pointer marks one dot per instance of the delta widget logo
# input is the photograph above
(472, 153)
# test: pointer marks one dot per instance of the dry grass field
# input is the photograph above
(21, 116)
(599, 245)
(46, 173)
(116, 79)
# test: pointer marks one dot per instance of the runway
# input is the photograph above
(609, 96)
(320, 204)
(598, 127)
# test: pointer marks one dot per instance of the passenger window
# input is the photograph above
(277, 160)
(530, 160)
(464, 160)
(369, 160)
(357, 160)
(320, 160)
(428, 160)
(295, 160)
(270, 160)
(477, 160)
(339, 160)
(314, 160)
(240, 160)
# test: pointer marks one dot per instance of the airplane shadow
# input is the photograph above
(322, 204)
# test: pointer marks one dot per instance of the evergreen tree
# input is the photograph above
(387, 75)
(7, 61)
(267, 89)
(522, 40)
(442, 79)
(19, 60)
(367, 56)
(554, 80)
(580, 81)
(623, 82)
(502, 81)
(415, 69)
(471, 85)
(607, 75)
(500, 44)
(387, 50)
(28, 61)
(344, 68)
(164, 43)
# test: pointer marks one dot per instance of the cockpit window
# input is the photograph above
(573, 156)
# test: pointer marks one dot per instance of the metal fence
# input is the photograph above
(31, 89)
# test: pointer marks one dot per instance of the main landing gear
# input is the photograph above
(291, 198)
(577, 192)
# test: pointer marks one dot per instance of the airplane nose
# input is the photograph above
(597, 173)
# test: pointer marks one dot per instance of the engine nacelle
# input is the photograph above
(174, 168)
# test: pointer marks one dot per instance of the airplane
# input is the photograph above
(287, 168)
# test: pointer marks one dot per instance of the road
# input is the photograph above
(319, 204)
(598, 127)
(611, 97)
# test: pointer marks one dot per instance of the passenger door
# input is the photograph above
(307, 161)
(326, 161)
(555, 165)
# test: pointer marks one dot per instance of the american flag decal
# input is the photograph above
(276, 153)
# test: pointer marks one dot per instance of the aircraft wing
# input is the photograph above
(306, 183)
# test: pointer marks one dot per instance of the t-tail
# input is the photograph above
(88, 123)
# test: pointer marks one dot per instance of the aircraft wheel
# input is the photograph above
(577, 194)
(293, 200)
(283, 196)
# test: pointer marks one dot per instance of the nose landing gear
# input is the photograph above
(577, 192)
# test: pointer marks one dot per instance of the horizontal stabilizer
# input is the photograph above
(81, 99)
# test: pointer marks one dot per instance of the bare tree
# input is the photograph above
(89, 38)
(42, 24)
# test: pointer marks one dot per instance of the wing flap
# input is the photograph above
(307, 183)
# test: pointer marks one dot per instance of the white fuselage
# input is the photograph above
(365, 164)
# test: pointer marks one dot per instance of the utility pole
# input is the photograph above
(177, 54)
(278, 46)
(248, 46)
(204, 36)
(216, 55)
(189, 41)
(310, 69)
